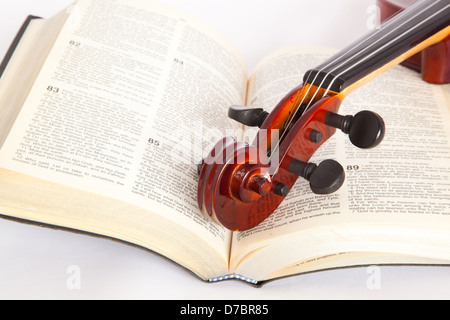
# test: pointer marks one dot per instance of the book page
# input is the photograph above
(24, 66)
(403, 182)
(124, 106)
(446, 90)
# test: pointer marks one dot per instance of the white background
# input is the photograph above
(34, 261)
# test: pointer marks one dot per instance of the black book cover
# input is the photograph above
(15, 43)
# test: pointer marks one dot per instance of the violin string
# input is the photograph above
(393, 40)
(303, 94)
(351, 51)
(293, 116)
(416, 4)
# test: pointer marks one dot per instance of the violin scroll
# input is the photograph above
(240, 185)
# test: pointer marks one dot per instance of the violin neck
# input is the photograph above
(422, 25)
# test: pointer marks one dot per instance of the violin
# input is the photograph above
(241, 184)
(433, 62)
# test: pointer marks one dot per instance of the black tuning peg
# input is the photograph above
(365, 129)
(252, 117)
(325, 178)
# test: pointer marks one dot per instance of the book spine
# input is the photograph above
(234, 277)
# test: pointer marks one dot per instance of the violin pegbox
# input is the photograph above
(240, 185)
(240, 195)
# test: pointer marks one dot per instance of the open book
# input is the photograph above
(106, 109)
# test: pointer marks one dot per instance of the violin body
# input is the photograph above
(240, 185)
(433, 62)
